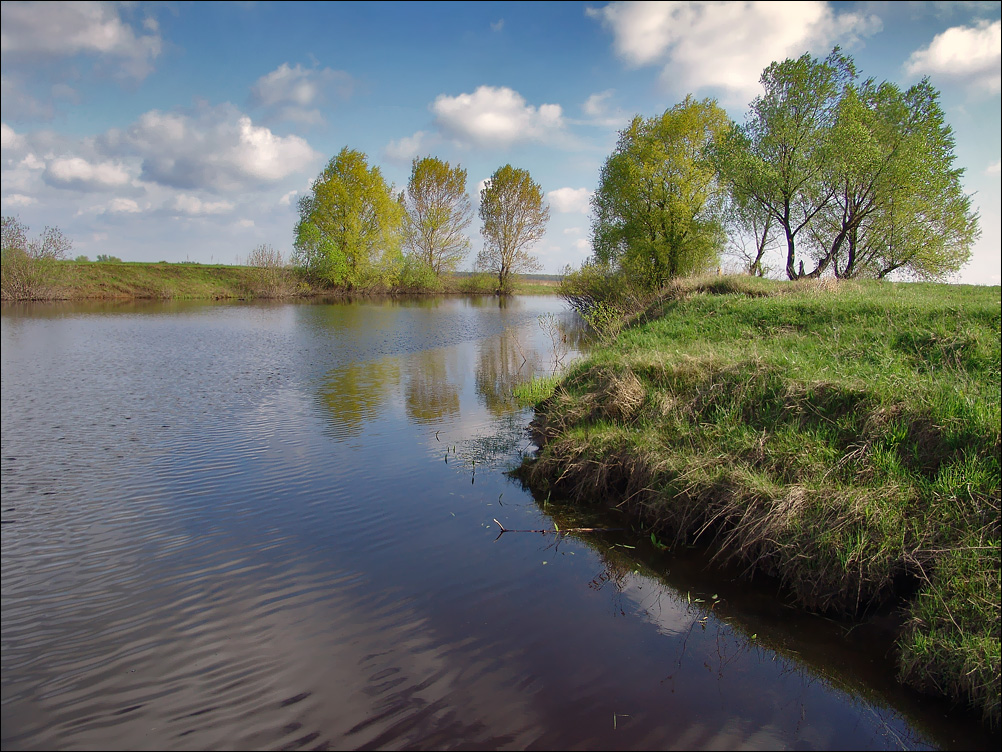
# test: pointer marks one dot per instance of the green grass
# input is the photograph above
(77, 280)
(535, 391)
(843, 437)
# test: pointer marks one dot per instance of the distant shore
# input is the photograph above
(123, 280)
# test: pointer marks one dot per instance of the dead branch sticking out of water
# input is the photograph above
(558, 531)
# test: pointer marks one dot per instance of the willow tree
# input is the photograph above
(781, 157)
(898, 202)
(438, 214)
(514, 218)
(349, 230)
(659, 206)
(858, 177)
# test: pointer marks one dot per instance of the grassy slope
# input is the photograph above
(71, 280)
(843, 437)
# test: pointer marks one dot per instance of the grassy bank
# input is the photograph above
(843, 437)
(76, 280)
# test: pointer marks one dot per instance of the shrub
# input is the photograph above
(28, 268)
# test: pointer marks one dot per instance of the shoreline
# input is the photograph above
(843, 438)
(123, 280)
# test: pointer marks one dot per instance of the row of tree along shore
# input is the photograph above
(829, 176)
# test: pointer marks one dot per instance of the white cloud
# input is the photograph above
(57, 30)
(570, 200)
(969, 54)
(195, 207)
(597, 108)
(497, 25)
(995, 168)
(406, 148)
(294, 93)
(286, 200)
(18, 199)
(123, 206)
(496, 116)
(9, 140)
(79, 174)
(596, 105)
(725, 44)
(218, 149)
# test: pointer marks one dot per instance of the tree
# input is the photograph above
(858, 177)
(438, 214)
(779, 159)
(514, 218)
(349, 229)
(898, 202)
(658, 210)
(28, 267)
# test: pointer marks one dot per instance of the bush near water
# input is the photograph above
(841, 436)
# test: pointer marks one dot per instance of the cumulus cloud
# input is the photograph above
(406, 148)
(9, 140)
(994, 169)
(725, 44)
(216, 149)
(570, 200)
(193, 206)
(496, 116)
(596, 105)
(967, 54)
(40, 31)
(78, 174)
(294, 93)
(123, 206)
(19, 199)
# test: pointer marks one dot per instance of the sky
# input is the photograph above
(171, 131)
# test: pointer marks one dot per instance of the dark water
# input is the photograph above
(240, 526)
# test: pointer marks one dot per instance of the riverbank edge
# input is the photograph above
(96, 280)
(627, 425)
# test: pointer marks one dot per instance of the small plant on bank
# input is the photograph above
(29, 267)
(271, 278)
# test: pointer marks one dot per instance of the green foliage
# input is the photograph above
(514, 219)
(82, 259)
(899, 202)
(106, 259)
(477, 283)
(659, 206)
(417, 275)
(857, 177)
(534, 391)
(349, 229)
(438, 213)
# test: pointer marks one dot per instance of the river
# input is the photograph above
(241, 525)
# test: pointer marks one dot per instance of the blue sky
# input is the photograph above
(186, 131)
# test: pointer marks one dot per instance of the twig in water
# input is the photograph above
(558, 531)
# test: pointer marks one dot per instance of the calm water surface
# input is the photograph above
(271, 526)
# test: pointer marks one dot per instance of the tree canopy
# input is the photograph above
(514, 218)
(658, 210)
(438, 214)
(857, 177)
(350, 225)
